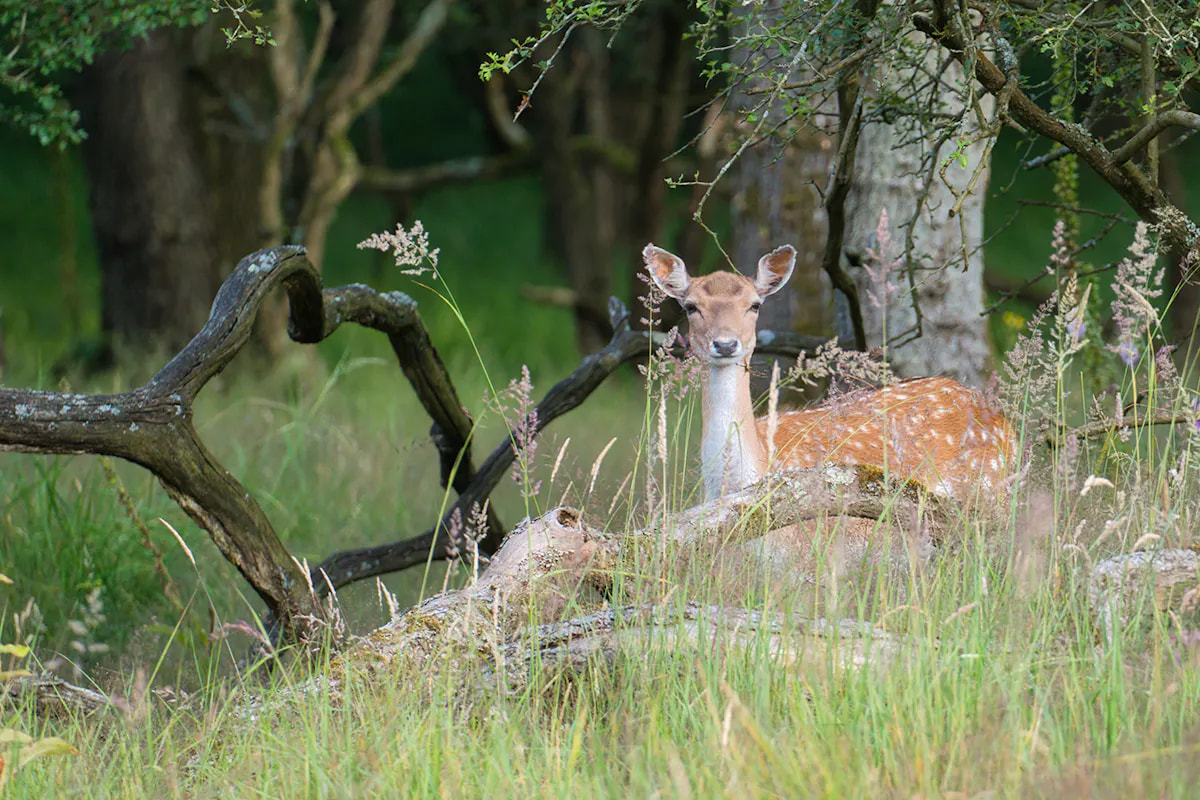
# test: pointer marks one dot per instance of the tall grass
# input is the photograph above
(1013, 698)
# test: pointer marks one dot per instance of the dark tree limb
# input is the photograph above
(348, 566)
(850, 110)
(152, 426)
(1174, 118)
(396, 315)
(1138, 418)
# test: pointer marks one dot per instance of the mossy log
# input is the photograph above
(545, 562)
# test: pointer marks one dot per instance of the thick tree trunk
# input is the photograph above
(659, 116)
(775, 202)
(150, 207)
(941, 276)
(581, 187)
(230, 97)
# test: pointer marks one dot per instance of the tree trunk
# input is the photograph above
(777, 200)
(150, 210)
(941, 275)
(659, 116)
(230, 96)
(582, 191)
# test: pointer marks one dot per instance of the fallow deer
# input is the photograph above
(933, 431)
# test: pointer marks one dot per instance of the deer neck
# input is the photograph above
(731, 454)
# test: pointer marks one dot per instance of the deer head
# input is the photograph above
(722, 308)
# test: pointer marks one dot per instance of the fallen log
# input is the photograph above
(1168, 580)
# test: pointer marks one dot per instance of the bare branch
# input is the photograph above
(850, 109)
(355, 69)
(353, 565)
(1105, 427)
(152, 426)
(459, 170)
(1167, 119)
(316, 53)
(431, 20)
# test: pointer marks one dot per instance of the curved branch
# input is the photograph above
(152, 426)
(1174, 118)
(234, 310)
(395, 314)
(430, 21)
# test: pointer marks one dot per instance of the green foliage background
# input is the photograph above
(41, 42)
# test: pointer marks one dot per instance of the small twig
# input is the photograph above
(1104, 427)
(829, 72)
(850, 107)
(542, 75)
(1167, 119)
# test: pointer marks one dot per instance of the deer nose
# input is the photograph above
(726, 348)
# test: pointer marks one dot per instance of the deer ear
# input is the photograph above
(667, 270)
(774, 269)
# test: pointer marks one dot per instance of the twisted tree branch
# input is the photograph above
(152, 425)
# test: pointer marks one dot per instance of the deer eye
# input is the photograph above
(755, 306)
(690, 308)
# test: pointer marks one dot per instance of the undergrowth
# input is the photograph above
(1005, 684)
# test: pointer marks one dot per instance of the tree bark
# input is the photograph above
(150, 211)
(582, 190)
(777, 200)
(934, 323)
